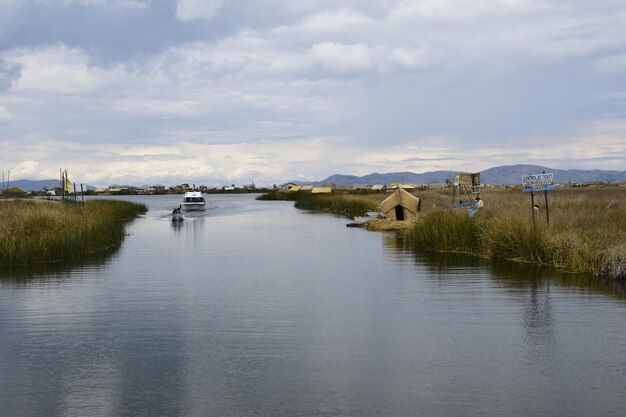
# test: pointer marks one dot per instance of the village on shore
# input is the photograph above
(327, 188)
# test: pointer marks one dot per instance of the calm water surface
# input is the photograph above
(256, 308)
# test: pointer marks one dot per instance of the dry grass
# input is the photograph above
(382, 225)
(36, 233)
(587, 232)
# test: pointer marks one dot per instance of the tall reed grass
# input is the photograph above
(344, 204)
(36, 232)
(587, 232)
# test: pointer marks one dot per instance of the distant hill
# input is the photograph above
(502, 175)
(36, 185)
(433, 177)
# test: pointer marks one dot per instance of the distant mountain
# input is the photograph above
(433, 177)
(36, 185)
(502, 175)
(512, 174)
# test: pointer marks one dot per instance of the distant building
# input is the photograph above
(321, 190)
(15, 192)
(287, 187)
(360, 188)
(339, 187)
(402, 185)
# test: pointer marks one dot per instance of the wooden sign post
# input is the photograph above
(538, 182)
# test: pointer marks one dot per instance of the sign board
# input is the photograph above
(536, 188)
(538, 182)
(529, 181)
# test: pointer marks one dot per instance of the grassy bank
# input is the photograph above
(587, 232)
(33, 232)
(344, 204)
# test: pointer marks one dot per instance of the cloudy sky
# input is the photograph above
(233, 91)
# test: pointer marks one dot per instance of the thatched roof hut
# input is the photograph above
(15, 192)
(321, 190)
(400, 205)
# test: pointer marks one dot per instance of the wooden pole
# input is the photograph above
(74, 192)
(532, 202)
(62, 184)
(82, 195)
(545, 193)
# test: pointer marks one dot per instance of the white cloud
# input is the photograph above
(345, 59)
(5, 115)
(126, 3)
(60, 69)
(611, 64)
(335, 22)
(187, 10)
(157, 107)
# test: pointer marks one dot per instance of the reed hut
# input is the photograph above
(15, 192)
(400, 205)
(321, 190)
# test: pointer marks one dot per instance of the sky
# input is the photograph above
(221, 92)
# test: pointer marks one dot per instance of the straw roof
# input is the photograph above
(400, 197)
(321, 190)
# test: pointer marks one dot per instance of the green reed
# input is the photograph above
(345, 204)
(36, 232)
(348, 205)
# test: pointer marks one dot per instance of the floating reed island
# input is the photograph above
(587, 232)
(43, 231)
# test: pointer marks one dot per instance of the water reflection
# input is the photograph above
(177, 226)
(538, 313)
(511, 274)
(520, 275)
(55, 271)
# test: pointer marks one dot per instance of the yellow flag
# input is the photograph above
(68, 185)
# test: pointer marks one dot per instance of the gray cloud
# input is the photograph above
(367, 78)
(9, 73)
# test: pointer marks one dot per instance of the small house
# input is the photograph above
(321, 190)
(339, 188)
(15, 192)
(400, 205)
(360, 188)
(402, 186)
(288, 187)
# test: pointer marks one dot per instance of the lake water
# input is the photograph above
(257, 308)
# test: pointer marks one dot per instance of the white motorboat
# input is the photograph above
(193, 201)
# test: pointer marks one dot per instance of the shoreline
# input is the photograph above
(587, 232)
(36, 232)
